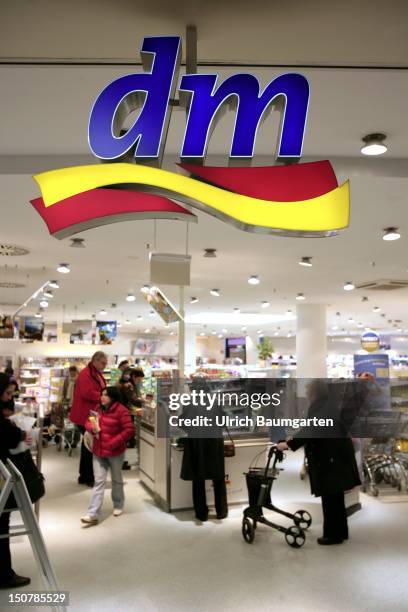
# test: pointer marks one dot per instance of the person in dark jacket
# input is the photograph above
(332, 464)
(111, 427)
(203, 459)
(89, 386)
(10, 437)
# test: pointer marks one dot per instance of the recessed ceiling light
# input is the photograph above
(220, 336)
(237, 310)
(77, 243)
(265, 304)
(130, 297)
(44, 304)
(63, 268)
(391, 233)
(254, 280)
(335, 327)
(128, 322)
(214, 333)
(202, 334)
(289, 311)
(118, 325)
(367, 329)
(103, 311)
(300, 296)
(54, 284)
(38, 315)
(376, 309)
(364, 298)
(147, 330)
(276, 333)
(225, 331)
(151, 313)
(349, 286)
(306, 261)
(139, 317)
(48, 295)
(210, 253)
(289, 335)
(171, 333)
(351, 320)
(374, 144)
(243, 329)
(194, 300)
(359, 325)
(399, 330)
(215, 292)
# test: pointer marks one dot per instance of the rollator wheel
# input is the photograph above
(295, 537)
(248, 531)
(302, 519)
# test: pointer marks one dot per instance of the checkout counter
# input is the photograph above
(161, 457)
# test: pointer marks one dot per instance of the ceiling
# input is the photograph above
(46, 109)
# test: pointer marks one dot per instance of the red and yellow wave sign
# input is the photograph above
(298, 199)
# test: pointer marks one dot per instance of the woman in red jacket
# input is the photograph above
(111, 427)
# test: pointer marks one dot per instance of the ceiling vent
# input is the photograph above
(383, 285)
(11, 250)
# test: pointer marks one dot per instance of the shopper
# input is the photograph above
(89, 385)
(203, 459)
(332, 466)
(111, 427)
(124, 365)
(10, 437)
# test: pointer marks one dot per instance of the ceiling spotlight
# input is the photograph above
(359, 325)
(202, 334)
(351, 320)
(288, 311)
(376, 309)
(237, 310)
(103, 312)
(145, 289)
(243, 329)
(391, 233)
(127, 322)
(118, 325)
(48, 294)
(63, 268)
(254, 280)
(265, 304)
(374, 144)
(399, 330)
(44, 304)
(300, 296)
(130, 297)
(276, 333)
(338, 314)
(225, 331)
(54, 284)
(147, 330)
(349, 286)
(194, 300)
(171, 333)
(289, 335)
(151, 313)
(215, 292)
(306, 261)
(364, 298)
(77, 243)
(220, 336)
(213, 333)
(210, 253)
(335, 327)
(38, 315)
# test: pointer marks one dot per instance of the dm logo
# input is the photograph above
(292, 200)
(370, 342)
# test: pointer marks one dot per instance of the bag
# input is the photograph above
(33, 478)
(229, 445)
(88, 441)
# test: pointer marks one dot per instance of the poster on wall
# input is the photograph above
(80, 331)
(6, 328)
(379, 397)
(51, 333)
(154, 346)
(31, 329)
(106, 331)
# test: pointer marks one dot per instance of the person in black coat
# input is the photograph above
(203, 459)
(332, 464)
(10, 437)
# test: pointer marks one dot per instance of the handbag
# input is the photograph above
(88, 441)
(33, 478)
(229, 445)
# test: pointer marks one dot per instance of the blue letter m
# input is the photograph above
(207, 99)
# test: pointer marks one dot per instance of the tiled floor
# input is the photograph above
(149, 560)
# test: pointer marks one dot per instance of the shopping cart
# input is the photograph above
(64, 433)
(383, 466)
(259, 483)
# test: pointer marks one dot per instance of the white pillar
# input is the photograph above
(311, 341)
(190, 352)
(251, 342)
(181, 335)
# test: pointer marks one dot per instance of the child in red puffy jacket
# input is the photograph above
(111, 427)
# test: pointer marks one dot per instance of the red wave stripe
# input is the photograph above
(289, 183)
(102, 206)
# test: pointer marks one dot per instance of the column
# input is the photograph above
(190, 352)
(251, 342)
(311, 341)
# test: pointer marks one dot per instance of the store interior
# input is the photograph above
(255, 305)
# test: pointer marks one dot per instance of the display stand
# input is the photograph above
(14, 483)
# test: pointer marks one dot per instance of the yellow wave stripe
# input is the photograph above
(327, 212)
